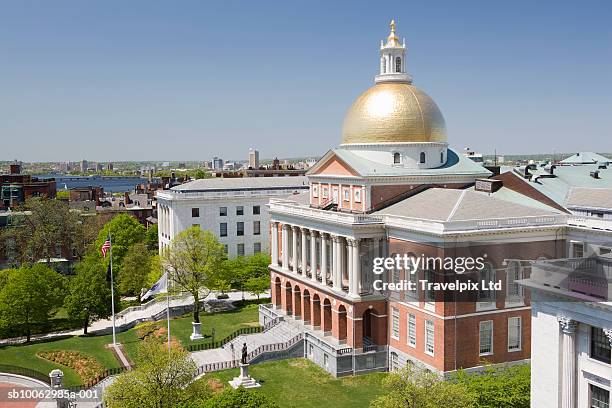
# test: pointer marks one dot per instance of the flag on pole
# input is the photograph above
(161, 286)
(105, 247)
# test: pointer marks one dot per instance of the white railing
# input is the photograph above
(187, 195)
(590, 222)
(295, 209)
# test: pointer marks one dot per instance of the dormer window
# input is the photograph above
(422, 157)
(396, 158)
(398, 64)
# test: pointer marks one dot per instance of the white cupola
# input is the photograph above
(393, 60)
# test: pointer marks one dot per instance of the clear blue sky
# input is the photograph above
(186, 80)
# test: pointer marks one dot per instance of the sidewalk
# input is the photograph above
(128, 318)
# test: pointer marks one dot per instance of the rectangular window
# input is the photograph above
(429, 337)
(412, 330)
(256, 228)
(223, 229)
(240, 210)
(514, 333)
(256, 210)
(195, 212)
(225, 248)
(486, 337)
(357, 196)
(240, 249)
(430, 294)
(347, 195)
(395, 327)
(315, 191)
(577, 250)
(240, 228)
(324, 192)
(223, 211)
(257, 247)
(600, 398)
(600, 345)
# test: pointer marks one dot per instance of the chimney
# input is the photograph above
(595, 174)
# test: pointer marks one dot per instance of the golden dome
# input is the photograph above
(393, 112)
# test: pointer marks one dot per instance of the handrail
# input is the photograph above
(26, 372)
(227, 339)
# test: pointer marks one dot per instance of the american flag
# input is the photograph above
(105, 247)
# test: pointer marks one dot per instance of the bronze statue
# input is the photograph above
(244, 354)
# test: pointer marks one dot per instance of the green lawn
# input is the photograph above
(299, 383)
(25, 355)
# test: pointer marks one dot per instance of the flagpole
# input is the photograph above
(112, 288)
(168, 307)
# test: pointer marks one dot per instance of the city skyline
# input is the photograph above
(185, 83)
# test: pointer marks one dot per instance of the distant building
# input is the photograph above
(84, 166)
(109, 166)
(585, 158)
(15, 188)
(234, 209)
(217, 163)
(253, 158)
(93, 194)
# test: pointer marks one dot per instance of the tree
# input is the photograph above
(29, 297)
(162, 378)
(40, 227)
(257, 265)
(89, 295)
(415, 388)
(125, 231)
(151, 238)
(232, 398)
(155, 272)
(136, 267)
(257, 286)
(194, 260)
(501, 387)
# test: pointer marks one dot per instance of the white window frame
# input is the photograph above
(358, 195)
(430, 346)
(347, 194)
(480, 338)
(315, 191)
(412, 330)
(520, 333)
(395, 323)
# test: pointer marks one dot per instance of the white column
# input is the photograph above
(274, 252)
(285, 246)
(294, 257)
(313, 255)
(334, 263)
(568, 378)
(304, 251)
(337, 275)
(355, 271)
(350, 249)
(324, 259)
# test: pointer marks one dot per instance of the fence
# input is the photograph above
(221, 343)
(26, 372)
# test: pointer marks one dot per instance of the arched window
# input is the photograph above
(394, 363)
(398, 64)
(441, 157)
(422, 157)
(396, 158)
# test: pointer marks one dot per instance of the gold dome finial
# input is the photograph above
(392, 40)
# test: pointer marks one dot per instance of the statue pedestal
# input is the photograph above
(197, 331)
(244, 380)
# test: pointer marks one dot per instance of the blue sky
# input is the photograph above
(186, 80)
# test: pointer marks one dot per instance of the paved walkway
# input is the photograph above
(134, 315)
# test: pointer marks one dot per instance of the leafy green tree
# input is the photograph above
(125, 231)
(501, 387)
(194, 259)
(257, 265)
(242, 398)
(89, 295)
(30, 296)
(162, 378)
(410, 387)
(135, 269)
(155, 272)
(151, 238)
(39, 227)
(257, 286)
